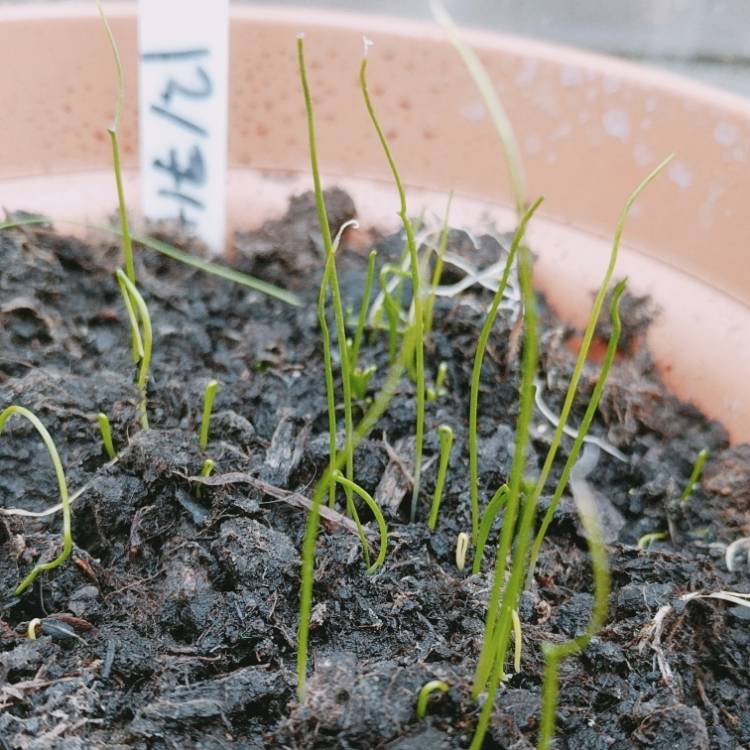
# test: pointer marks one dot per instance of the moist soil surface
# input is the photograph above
(173, 625)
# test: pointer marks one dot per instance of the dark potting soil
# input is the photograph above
(173, 625)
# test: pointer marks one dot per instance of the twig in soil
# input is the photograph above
(105, 430)
(484, 335)
(695, 474)
(445, 434)
(208, 404)
(424, 695)
(293, 498)
(62, 488)
(417, 327)
(140, 327)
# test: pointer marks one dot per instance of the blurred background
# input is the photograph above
(707, 40)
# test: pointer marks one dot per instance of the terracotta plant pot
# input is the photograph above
(589, 128)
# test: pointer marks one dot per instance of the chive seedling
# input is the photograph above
(593, 405)
(142, 339)
(555, 653)
(106, 432)
(439, 389)
(445, 434)
(113, 130)
(517, 641)
(424, 695)
(330, 278)
(498, 625)
(695, 474)
(488, 517)
(391, 306)
(417, 330)
(208, 403)
(476, 371)
(462, 546)
(648, 539)
(206, 470)
(62, 486)
(437, 271)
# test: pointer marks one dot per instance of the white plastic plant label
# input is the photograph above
(184, 59)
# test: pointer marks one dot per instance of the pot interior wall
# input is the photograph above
(589, 129)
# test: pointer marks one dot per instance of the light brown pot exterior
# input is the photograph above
(589, 127)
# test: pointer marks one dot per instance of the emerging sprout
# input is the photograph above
(517, 641)
(106, 432)
(445, 434)
(206, 470)
(62, 486)
(127, 246)
(31, 628)
(648, 539)
(439, 389)
(424, 695)
(208, 402)
(391, 306)
(417, 330)
(462, 546)
(142, 339)
(488, 518)
(695, 474)
(361, 379)
(477, 367)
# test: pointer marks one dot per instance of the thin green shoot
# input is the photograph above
(462, 547)
(391, 306)
(363, 307)
(379, 519)
(330, 278)
(591, 408)
(208, 404)
(488, 517)
(424, 695)
(445, 435)
(418, 324)
(206, 470)
(437, 271)
(127, 245)
(589, 332)
(170, 251)
(361, 380)
(62, 487)
(106, 432)
(497, 626)
(498, 117)
(476, 371)
(648, 539)
(439, 390)
(695, 474)
(140, 331)
(376, 409)
(517, 641)
(555, 653)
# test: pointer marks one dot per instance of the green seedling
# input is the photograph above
(437, 271)
(208, 404)
(378, 406)
(593, 405)
(555, 653)
(695, 474)
(488, 518)
(648, 539)
(417, 330)
(31, 628)
(363, 307)
(498, 621)
(476, 371)
(330, 279)
(361, 380)
(498, 117)
(462, 547)
(445, 434)
(439, 390)
(517, 641)
(62, 486)
(391, 306)
(376, 512)
(141, 336)
(206, 470)
(106, 432)
(424, 695)
(127, 245)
